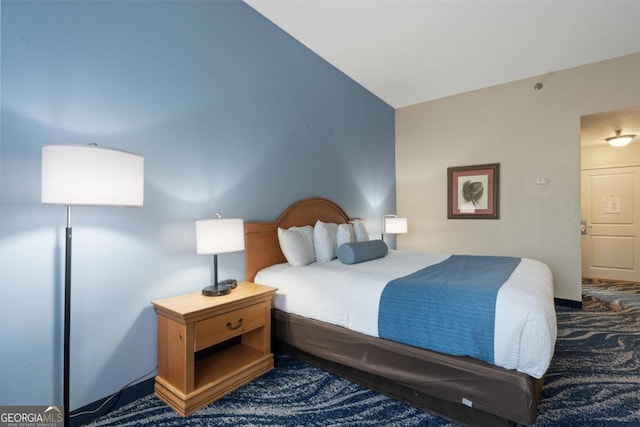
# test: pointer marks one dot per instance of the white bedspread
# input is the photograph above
(349, 295)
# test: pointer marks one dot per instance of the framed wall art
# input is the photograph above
(473, 192)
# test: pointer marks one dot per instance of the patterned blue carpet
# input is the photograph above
(594, 377)
(593, 380)
(293, 394)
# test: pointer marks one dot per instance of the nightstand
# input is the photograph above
(210, 346)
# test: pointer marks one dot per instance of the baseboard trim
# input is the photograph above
(568, 303)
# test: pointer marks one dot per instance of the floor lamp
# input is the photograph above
(87, 175)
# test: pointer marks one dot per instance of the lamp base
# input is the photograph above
(216, 290)
(222, 288)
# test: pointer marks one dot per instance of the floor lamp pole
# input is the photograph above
(67, 315)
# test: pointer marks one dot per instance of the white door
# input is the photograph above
(610, 215)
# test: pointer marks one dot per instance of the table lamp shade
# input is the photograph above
(91, 175)
(395, 225)
(219, 235)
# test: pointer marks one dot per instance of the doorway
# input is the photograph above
(610, 197)
(611, 237)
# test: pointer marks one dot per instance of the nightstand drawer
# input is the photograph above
(229, 325)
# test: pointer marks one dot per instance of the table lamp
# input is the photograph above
(391, 224)
(216, 236)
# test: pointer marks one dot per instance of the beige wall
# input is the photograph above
(531, 134)
(610, 157)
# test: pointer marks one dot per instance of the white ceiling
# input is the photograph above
(411, 51)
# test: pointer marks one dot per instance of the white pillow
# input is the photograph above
(346, 234)
(297, 245)
(325, 241)
(361, 231)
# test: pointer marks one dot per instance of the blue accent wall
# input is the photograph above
(230, 113)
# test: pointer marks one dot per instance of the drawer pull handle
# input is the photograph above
(233, 328)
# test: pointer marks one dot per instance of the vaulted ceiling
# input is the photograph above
(412, 51)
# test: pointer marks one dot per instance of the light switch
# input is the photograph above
(541, 181)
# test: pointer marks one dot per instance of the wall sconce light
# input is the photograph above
(619, 140)
(216, 236)
(391, 224)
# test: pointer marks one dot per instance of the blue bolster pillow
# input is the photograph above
(353, 253)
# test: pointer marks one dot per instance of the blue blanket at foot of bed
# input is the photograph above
(447, 307)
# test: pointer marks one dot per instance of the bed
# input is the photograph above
(462, 389)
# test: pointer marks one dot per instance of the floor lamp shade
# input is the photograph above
(91, 175)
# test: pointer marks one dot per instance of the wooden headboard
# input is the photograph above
(262, 247)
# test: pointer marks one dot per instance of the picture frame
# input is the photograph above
(473, 192)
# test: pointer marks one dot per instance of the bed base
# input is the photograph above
(461, 415)
(431, 381)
